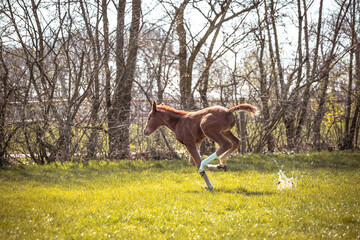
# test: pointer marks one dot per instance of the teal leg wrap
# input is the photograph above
(206, 161)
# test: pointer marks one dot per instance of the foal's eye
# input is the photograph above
(149, 118)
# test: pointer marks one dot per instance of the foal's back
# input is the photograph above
(218, 110)
(213, 117)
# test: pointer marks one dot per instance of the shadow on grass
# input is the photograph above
(245, 192)
(239, 191)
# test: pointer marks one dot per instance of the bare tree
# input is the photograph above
(216, 18)
(95, 59)
(324, 73)
(352, 94)
(6, 130)
(119, 115)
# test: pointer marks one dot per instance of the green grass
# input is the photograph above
(164, 200)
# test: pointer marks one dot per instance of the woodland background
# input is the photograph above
(77, 77)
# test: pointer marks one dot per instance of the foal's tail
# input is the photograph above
(244, 107)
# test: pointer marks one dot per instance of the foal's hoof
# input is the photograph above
(224, 167)
(207, 189)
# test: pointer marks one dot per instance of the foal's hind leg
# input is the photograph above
(235, 144)
(224, 145)
(235, 141)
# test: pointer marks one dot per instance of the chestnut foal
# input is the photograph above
(191, 128)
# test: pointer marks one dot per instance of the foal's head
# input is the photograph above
(153, 120)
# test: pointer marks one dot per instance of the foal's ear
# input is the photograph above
(154, 106)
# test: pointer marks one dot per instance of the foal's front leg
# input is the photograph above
(194, 155)
(191, 159)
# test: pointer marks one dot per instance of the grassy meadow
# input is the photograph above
(165, 199)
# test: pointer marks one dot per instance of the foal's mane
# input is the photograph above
(164, 107)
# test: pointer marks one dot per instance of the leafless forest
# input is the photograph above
(77, 77)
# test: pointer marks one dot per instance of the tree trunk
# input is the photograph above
(92, 143)
(349, 138)
(349, 131)
(264, 88)
(106, 55)
(324, 77)
(186, 64)
(280, 72)
(265, 98)
(119, 122)
(4, 75)
(209, 60)
(204, 83)
(185, 76)
(306, 94)
(115, 150)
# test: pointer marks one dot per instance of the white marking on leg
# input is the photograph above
(206, 161)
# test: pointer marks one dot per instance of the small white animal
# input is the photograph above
(285, 182)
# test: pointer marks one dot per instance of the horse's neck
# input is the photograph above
(171, 119)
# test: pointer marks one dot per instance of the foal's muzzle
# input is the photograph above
(146, 132)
